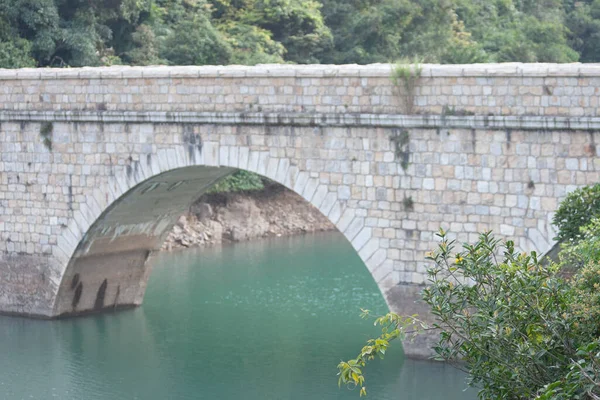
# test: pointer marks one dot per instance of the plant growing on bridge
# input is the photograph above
(239, 181)
(520, 329)
(46, 131)
(401, 144)
(408, 203)
(405, 77)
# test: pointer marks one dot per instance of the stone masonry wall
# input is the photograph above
(486, 89)
(66, 158)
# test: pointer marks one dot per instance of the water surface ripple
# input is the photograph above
(262, 320)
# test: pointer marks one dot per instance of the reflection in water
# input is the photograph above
(263, 320)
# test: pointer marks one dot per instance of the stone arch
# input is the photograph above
(89, 245)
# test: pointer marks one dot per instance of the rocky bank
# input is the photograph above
(235, 217)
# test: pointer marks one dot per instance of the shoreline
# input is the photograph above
(234, 217)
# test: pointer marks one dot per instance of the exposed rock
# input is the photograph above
(202, 211)
(236, 217)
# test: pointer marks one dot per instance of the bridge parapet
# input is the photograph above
(480, 89)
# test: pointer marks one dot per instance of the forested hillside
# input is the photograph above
(62, 33)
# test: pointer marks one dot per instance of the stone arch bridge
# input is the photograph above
(98, 163)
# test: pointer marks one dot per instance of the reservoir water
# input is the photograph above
(261, 320)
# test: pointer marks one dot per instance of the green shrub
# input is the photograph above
(520, 329)
(239, 181)
(16, 54)
(582, 380)
(577, 210)
(576, 254)
(509, 318)
(194, 41)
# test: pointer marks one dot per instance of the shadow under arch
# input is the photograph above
(107, 243)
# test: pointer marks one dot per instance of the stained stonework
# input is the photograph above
(97, 164)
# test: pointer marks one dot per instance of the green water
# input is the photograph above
(263, 320)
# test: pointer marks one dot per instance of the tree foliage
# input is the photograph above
(576, 254)
(194, 41)
(508, 317)
(519, 328)
(142, 32)
(577, 210)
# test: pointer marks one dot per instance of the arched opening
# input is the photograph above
(109, 269)
(113, 252)
(264, 319)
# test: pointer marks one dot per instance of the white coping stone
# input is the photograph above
(328, 204)
(335, 213)
(224, 156)
(310, 189)
(282, 169)
(320, 195)
(163, 163)
(291, 176)
(377, 259)
(263, 162)
(276, 70)
(243, 160)
(71, 242)
(121, 184)
(362, 238)
(172, 159)
(28, 73)
(210, 151)
(74, 230)
(253, 161)
(353, 228)
(65, 247)
(59, 254)
(183, 159)
(93, 205)
(154, 166)
(155, 72)
(368, 249)
(234, 160)
(346, 219)
(301, 182)
(271, 172)
(383, 270)
(147, 166)
(113, 190)
(132, 72)
(539, 241)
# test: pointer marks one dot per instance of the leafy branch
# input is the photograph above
(393, 327)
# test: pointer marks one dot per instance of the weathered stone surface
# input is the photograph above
(225, 217)
(202, 211)
(132, 148)
(502, 89)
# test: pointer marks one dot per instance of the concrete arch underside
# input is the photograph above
(110, 238)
